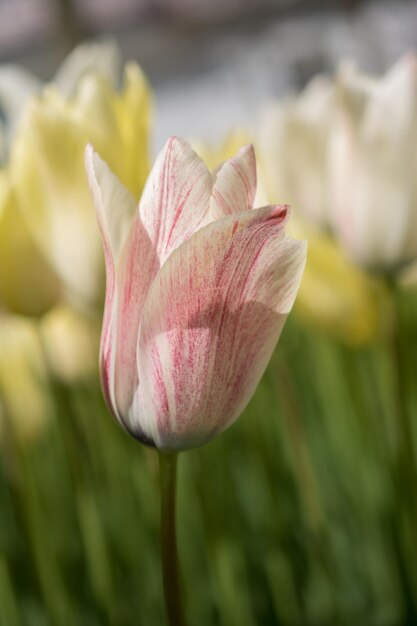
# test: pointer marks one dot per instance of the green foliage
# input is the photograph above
(303, 513)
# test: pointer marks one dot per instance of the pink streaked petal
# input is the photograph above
(136, 270)
(131, 264)
(234, 187)
(212, 318)
(115, 207)
(176, 197)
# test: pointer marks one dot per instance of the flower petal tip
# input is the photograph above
(283, 211)
(174, 140)
(91, 159)
(247, 150)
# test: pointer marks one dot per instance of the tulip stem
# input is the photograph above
(398, 353)
(169, 551)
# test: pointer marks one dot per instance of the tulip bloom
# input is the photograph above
(28, 285)
(18, 86)
(373, 163)
(293, 140)
(199, 285)
(46, 168)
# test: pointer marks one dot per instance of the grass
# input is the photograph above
(297, 515)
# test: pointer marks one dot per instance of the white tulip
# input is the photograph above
(293, 140)
(373, 167)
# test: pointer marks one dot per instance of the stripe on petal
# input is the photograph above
(131, 265)
(136, 269)
(176, 197)
(234, 187)
(115, 208)
(211, 321)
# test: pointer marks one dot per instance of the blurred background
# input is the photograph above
(305, 512)
(192, 50)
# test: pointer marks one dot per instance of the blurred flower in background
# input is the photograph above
(46, 168)
(294, 141)
(50, 252)
(17, 85)
(373, 160)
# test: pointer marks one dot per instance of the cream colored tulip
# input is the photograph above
(293, 141)
(373, 165)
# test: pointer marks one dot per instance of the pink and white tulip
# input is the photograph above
(199, 285)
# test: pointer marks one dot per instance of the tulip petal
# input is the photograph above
(115, 205)
(380, 160)
(28, 283)
(176, 197)
(135, 272)
(115, 209)
(211, 320)
(133, 109)
(100, 58)
(131, 265)
(234, 187)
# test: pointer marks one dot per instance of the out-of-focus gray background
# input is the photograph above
(213, 65)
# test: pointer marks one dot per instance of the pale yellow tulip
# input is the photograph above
(28, 285)
(47, 170)
(18, 85)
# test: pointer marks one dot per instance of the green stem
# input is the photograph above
(169, 551)
(406, 448)
(404, 471)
